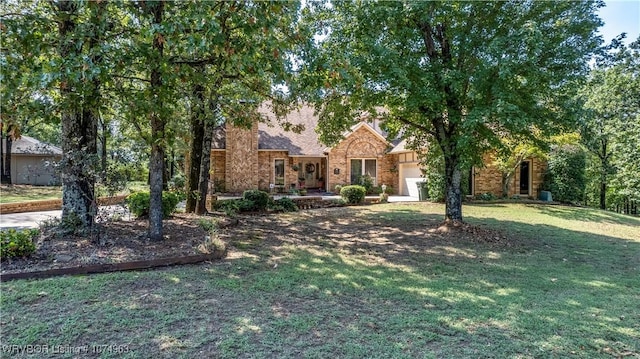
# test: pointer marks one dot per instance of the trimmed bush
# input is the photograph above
(17, 243)
(353, 194)
(284, 204)
(138, 203)
(259, 198)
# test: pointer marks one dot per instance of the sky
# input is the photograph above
(620, 16)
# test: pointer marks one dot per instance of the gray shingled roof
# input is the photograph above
(271, 136)
(26, 145)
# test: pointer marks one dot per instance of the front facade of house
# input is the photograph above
(272, 159)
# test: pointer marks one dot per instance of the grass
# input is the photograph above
(22, 193)
(363, 282)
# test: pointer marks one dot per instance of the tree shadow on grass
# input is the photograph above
(544, 290)
(587, 214)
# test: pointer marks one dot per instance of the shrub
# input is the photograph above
(234, 206)
(338, 188)
(229, 206)
(487, 196)
(284, 204)
(246, 205)
(138, 203)
(353, 194)
(259, 198)
(367, 182)
(565, 176)
(17, 243)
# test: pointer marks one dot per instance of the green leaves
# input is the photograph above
(461, 73)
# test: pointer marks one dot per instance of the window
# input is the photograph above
(363, 167)
(278, 168)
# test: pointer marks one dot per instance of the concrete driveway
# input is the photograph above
(33, 219)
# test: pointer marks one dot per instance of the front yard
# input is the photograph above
(382, 281)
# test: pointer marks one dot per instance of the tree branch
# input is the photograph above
(131, 78)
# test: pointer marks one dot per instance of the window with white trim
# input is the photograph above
(363, 167)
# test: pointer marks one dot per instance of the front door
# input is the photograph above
(524, 177)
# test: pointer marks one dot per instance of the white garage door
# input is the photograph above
(410, 174)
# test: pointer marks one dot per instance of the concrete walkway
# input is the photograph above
(34, 219)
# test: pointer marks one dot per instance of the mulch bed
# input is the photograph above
(112, 244)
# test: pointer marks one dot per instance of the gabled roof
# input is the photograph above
(401, 147)
(271, 135)
(26, 145)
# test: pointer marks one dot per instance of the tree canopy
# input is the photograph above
(457, 74)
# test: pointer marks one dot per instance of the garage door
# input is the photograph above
(410, 174)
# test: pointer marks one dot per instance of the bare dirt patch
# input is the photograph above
(354, 230)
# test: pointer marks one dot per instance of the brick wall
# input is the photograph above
(489, 178)
(266, 162)
(241, 158)
(361, 144)
(218, 163)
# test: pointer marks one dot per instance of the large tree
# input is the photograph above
(61, 43)
(455, 74)
(611, 121)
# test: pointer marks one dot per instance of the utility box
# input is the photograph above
(545, 196)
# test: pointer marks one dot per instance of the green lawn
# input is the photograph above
(363, 282)
(22, 193)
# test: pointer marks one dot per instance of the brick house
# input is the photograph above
(269, 158)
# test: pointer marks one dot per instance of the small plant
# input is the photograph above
(284, 204)
(208, 224)
(384, 197)
(138, 203)
(17, 243)
(230, 207)
(259, 198)
(212, 242)
(303, 192)
(338, 188)
(353, 194)
(487, 196)
(367, 182)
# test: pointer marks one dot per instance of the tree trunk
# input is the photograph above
(78, 133)
(453, 192)
(6, 174)
(205, 165)
(156, 162)
(506, 179)
(604, 162)
(603, 195)
(195, 155)
(103, 149)
(2, 181)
